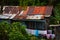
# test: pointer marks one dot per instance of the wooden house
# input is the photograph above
(36, 18)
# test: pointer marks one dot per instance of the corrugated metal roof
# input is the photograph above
(41, 10)
(31, 9)
(31, 12)
(11, 9)
(22, 14)
(4, 17)
(48, 11)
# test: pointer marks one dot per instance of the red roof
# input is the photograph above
(39, 10)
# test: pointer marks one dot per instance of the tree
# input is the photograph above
(57, 14)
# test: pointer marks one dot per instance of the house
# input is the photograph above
(36, 18)
(33, 12)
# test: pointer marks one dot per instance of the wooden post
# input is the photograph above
(47, 23)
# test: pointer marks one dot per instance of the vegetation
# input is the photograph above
(14, 31)
(56, 18)
(57, 14)
(29, 2)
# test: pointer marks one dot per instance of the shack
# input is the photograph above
(36, 18)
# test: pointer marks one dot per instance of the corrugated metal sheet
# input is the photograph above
(48, 11)
(11, 9)
(39, 10)
(31, 12)
(31, 9)
(35, 17)
(22, 14)
(4, 17)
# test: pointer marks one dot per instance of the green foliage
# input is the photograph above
(15, 31)
(10, 2)
(31, 3)
(57, 13)
(56, 18)
(4, 29)
(52, 20)
(51, 2)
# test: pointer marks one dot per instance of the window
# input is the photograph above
(36, 25)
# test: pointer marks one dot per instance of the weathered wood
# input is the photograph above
(57, 31)
(54, 25)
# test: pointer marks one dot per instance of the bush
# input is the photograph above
(57, 14)
(15, 31)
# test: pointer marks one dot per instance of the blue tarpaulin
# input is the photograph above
(36, 33)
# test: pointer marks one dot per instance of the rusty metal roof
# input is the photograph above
(39, 10)
(31, 12)
(47, 10)
(34, 11)
(11, 9)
